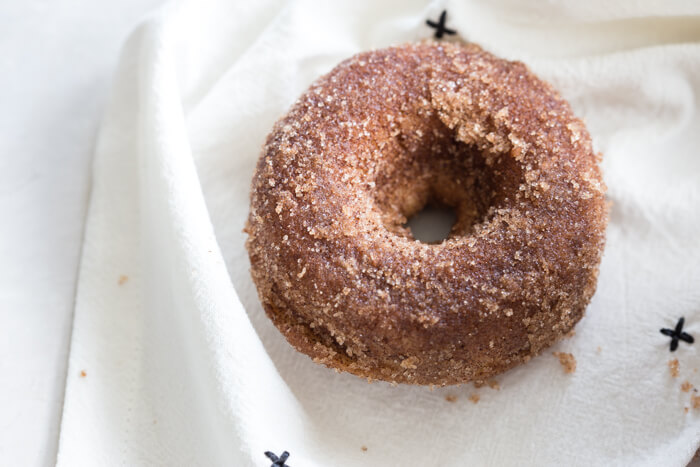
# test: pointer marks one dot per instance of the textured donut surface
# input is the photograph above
(365, 148)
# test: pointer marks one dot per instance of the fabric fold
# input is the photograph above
(172, 360)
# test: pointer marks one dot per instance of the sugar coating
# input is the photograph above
(367, 146)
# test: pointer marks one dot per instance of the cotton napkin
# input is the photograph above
(172, 360)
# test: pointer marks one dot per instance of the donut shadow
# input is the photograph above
(433, 223)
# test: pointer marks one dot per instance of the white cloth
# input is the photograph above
(181, 367)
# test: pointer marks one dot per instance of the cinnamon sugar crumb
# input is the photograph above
(475, 398)
(695, 401)
(686, 386)
(122, 279)
(493, 384)
(364, 448)
(451, 398)
(599, 349)
(673, 367)
(83, 374)
(567, 361)
(685, 409)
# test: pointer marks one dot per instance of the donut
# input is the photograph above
(367, 146)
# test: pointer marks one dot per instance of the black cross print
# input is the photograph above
(677, 334)
(278, 461)
(440, 28)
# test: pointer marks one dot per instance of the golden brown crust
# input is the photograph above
(366, 147)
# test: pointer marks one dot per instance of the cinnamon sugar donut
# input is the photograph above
(366, 147)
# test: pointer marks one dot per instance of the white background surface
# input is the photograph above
(56, 61)
(56, 64)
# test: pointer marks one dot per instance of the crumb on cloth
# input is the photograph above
(674, 367)
(567, 361)
(695, 401)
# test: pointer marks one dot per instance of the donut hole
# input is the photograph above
(440, 188)
(433, 223)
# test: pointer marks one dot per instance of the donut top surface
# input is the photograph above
(371, 143)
